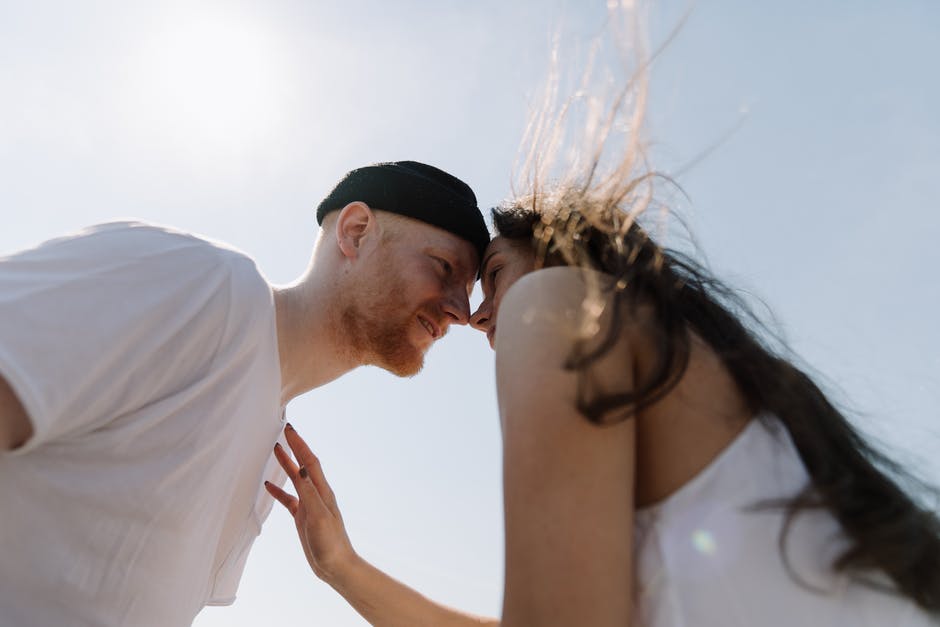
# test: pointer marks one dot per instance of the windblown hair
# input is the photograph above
(588, 218)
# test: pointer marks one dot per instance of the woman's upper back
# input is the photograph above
(703, 424)
(710, 554)
(677, 436)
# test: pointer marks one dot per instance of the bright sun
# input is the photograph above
(210, 83)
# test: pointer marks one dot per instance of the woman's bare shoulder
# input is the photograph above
(557, 284)
(559, 305)
(550, 299)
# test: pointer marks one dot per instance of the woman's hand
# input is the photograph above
(380, 599)
(316, 515)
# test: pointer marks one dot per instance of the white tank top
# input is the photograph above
(706, 558)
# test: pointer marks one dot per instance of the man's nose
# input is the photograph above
(457, 307)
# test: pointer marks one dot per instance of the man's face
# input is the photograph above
(413, 286)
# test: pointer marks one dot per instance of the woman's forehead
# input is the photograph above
(508, 250)
(502, 244)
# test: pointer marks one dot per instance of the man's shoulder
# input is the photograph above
(130, 254)
(125, 238)
(248, 286)
(150, 243)
(138, 233)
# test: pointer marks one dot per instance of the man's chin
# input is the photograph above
(406, 373)
(401, 364)
(404, 370)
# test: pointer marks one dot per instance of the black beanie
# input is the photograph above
(415, 190)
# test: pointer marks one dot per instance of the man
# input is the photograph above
(144, 374)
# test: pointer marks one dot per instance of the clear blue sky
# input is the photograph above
(233, 119)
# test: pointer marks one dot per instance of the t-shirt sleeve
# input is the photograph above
(95, 326)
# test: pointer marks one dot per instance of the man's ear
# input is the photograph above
(355, 221)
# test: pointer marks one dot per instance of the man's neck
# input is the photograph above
(309, 343)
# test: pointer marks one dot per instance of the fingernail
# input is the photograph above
(277, 445)
(289, 426)
(267, 483)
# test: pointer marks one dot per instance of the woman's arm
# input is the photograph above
(380, 599)
(568, 484)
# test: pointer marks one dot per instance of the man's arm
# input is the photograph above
(15, 427)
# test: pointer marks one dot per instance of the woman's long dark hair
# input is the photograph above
(589, 144)
(887, 530)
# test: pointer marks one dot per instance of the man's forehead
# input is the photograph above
(432, 236)
(426, 234)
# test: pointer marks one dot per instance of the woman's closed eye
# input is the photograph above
(491, 274)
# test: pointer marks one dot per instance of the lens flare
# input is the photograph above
(704, 542)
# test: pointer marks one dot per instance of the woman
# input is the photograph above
(631, 397)
(662, 465)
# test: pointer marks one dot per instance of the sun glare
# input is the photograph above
(210, 83)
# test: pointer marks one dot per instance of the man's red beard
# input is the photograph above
(380, 330)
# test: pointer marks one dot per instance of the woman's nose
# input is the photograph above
(480, 320)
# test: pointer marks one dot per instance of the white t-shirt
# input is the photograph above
(706, 558)
(147, 362)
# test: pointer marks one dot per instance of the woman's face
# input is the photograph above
(504, 261)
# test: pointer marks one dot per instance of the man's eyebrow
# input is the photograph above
(445, 255)
(458, 263)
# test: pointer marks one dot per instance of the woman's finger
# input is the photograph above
(308, 491)
(284, 459)
(315, 471)
(301, 451)
(282, 497)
